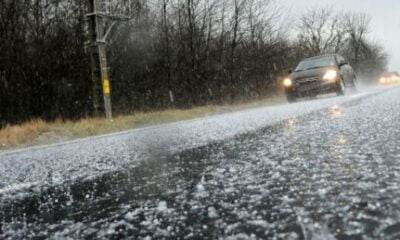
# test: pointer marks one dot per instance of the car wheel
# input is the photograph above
(340, 88)
(291, 97)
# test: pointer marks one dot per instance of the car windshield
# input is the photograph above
(315, 63)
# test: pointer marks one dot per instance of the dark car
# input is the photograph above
(317, 75)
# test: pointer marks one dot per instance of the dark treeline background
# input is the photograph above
(173, 53)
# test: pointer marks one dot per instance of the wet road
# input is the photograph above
(332, 173)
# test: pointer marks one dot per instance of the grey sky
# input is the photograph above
(385, 25)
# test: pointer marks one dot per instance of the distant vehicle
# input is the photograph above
(390, 78)
(317, 75)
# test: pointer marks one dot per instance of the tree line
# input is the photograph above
(172, 53)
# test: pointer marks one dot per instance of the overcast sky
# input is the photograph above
(385, 25)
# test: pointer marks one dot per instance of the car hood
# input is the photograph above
(318, 72)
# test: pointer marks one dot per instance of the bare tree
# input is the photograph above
(322, 31)
(166, 30)
(357, 28)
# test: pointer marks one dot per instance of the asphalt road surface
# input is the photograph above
(321, 169)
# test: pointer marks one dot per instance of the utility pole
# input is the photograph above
(100, 26)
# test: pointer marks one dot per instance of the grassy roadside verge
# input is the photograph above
(39, 132)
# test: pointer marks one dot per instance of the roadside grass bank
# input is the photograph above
(39, 132)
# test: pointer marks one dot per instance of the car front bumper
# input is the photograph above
(306, 88)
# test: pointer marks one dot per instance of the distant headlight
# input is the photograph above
(330, 75)
(382, 80)
(287, 82)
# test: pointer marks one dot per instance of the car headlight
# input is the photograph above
(330, 75)
(288, 82)
(383, 80)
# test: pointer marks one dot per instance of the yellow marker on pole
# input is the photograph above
(107, 95)
(106, 85)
